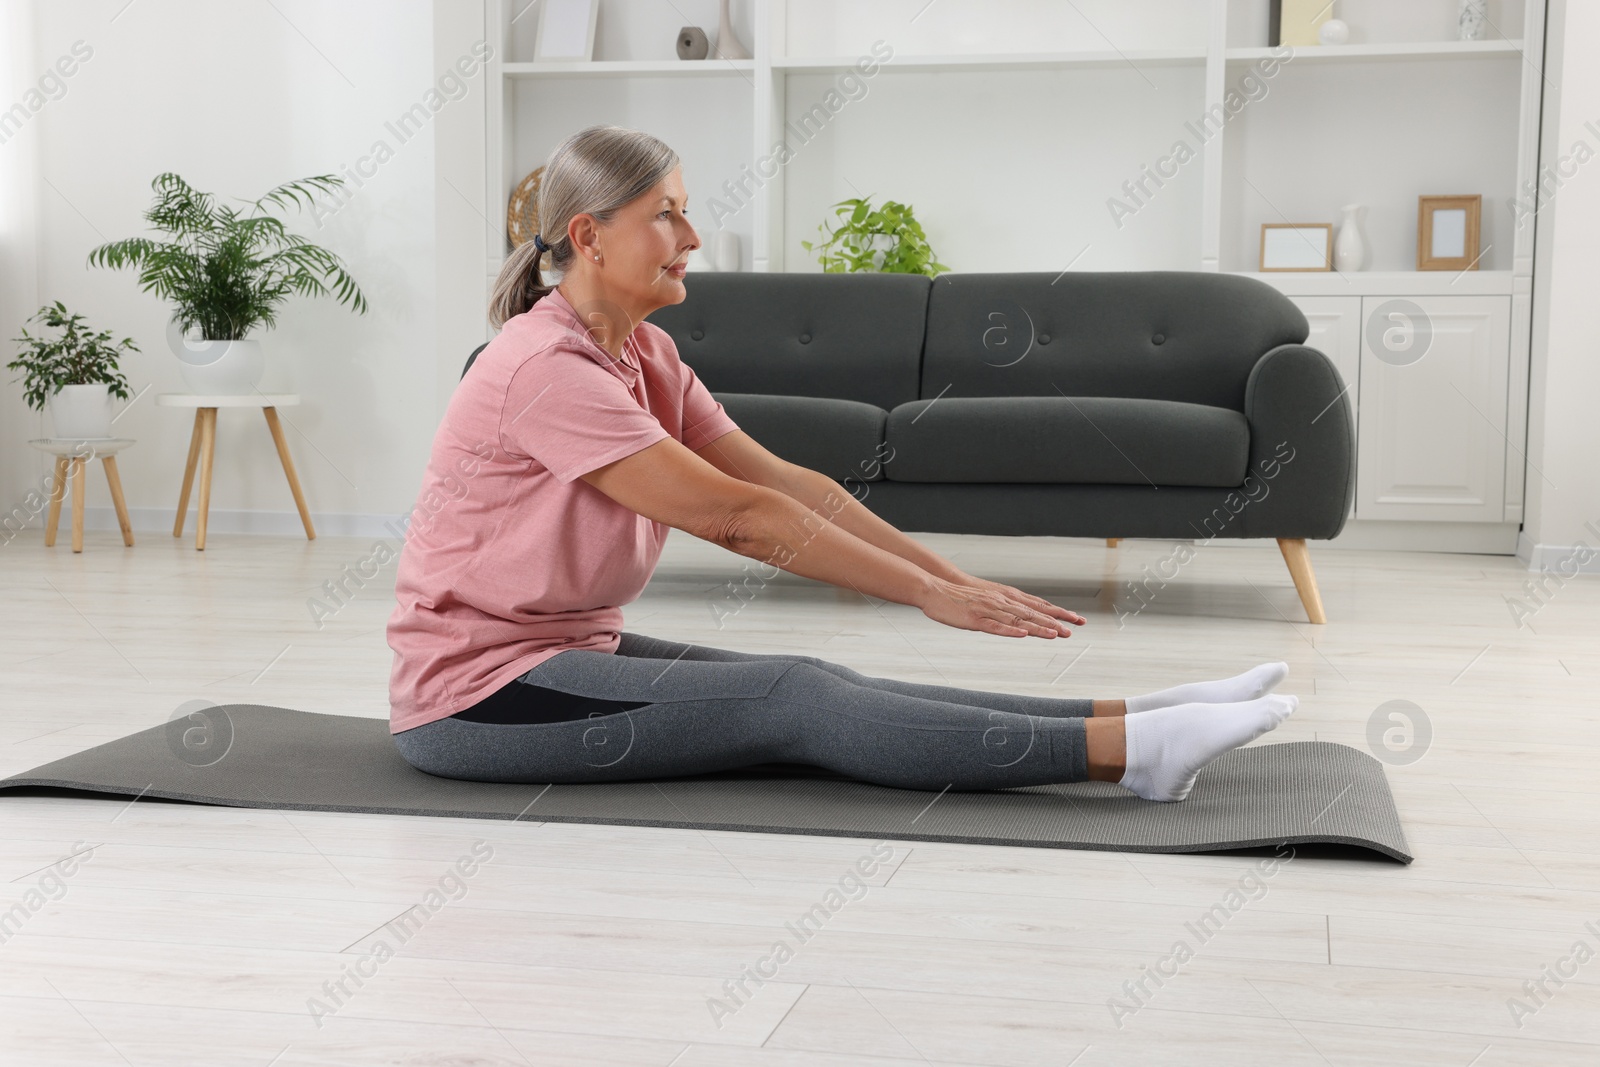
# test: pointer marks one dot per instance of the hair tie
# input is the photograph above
(538, 242)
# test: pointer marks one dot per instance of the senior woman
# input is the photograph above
(576, 439)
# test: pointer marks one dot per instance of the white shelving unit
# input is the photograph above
(1078, 106)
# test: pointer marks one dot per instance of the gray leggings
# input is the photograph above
(711, 709)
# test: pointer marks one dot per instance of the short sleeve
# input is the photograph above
(704, 419)
(572, 415)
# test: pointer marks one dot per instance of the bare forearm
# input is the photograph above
(818, 491)
(783, 532)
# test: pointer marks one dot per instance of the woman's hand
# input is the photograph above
(978, 604)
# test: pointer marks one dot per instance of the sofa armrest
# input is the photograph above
(1302, 446)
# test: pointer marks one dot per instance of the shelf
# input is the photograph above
(1401, 50)
(1386, 282)
(626, 68)
(991, 61)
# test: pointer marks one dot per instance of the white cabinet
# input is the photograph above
(1431, 427)
(1427, 377)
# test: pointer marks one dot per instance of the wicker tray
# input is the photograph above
(522, 213)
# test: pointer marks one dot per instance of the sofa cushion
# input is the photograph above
(1068, 440)
(841, 438)
(1192, 336)
(845, 336)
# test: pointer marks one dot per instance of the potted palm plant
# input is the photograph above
(74, 375)
(226, 270)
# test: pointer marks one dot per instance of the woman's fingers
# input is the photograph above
(1040, 604)
(1049, 613)
(1030, 621)
(1008, 611)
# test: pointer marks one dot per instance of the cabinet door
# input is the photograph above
(1431, 427)
(1336, 333)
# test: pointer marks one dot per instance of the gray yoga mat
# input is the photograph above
(254, 756)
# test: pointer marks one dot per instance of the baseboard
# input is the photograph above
(1568, 560)
(1476, 538)
(1499, 539)
(221, 520)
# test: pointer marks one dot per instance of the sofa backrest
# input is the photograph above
(844, 336)
(1162, 335)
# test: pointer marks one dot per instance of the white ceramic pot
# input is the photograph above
(81, 412)
(218, 368)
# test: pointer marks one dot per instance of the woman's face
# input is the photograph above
(644, 250)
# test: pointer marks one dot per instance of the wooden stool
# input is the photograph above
(79, 452)
(202, 442)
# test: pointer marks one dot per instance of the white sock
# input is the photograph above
(1253, 683)
(1168, 746)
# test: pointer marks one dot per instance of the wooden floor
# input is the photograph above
(193, 935)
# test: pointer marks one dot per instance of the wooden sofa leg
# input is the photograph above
(1113, 542)
(1298, 557)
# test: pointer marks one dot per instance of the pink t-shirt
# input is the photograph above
(510, 557)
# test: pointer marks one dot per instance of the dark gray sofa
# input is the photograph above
(1164, 404)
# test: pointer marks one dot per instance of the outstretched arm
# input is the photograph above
(739, 455)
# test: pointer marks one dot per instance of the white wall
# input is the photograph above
(19, 290)
(236, 98)
(1564, 428)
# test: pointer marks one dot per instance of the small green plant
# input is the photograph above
(852, 246)
(227, 271)
(77, 357)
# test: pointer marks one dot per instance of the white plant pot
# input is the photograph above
(81, 412)
(218, 368)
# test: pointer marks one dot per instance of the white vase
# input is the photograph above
(81, 412)
(728, 46)
(217, 368)
(1350, 247)
(1471, 18)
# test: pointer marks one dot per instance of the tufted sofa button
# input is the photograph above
(1044, 338)
(697, 334)
(1158, 338)
(805, 338)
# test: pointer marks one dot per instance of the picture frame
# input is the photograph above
(566, 31)
(1296, 22)
(1291, 246)
(1448, 229)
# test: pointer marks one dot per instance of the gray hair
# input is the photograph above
(595, 172)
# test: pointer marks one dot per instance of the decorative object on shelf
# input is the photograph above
(1471, 19)
(227, 272)
(699, 262)
(566, 31)
(1447, 232)
(1350, 247)
(888, 239)
(74, 375)
(1296, 246)
(1333, 32)
(1297, 22)
(692, 43)
(522, 213)
(727, 250)
(728, 43)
